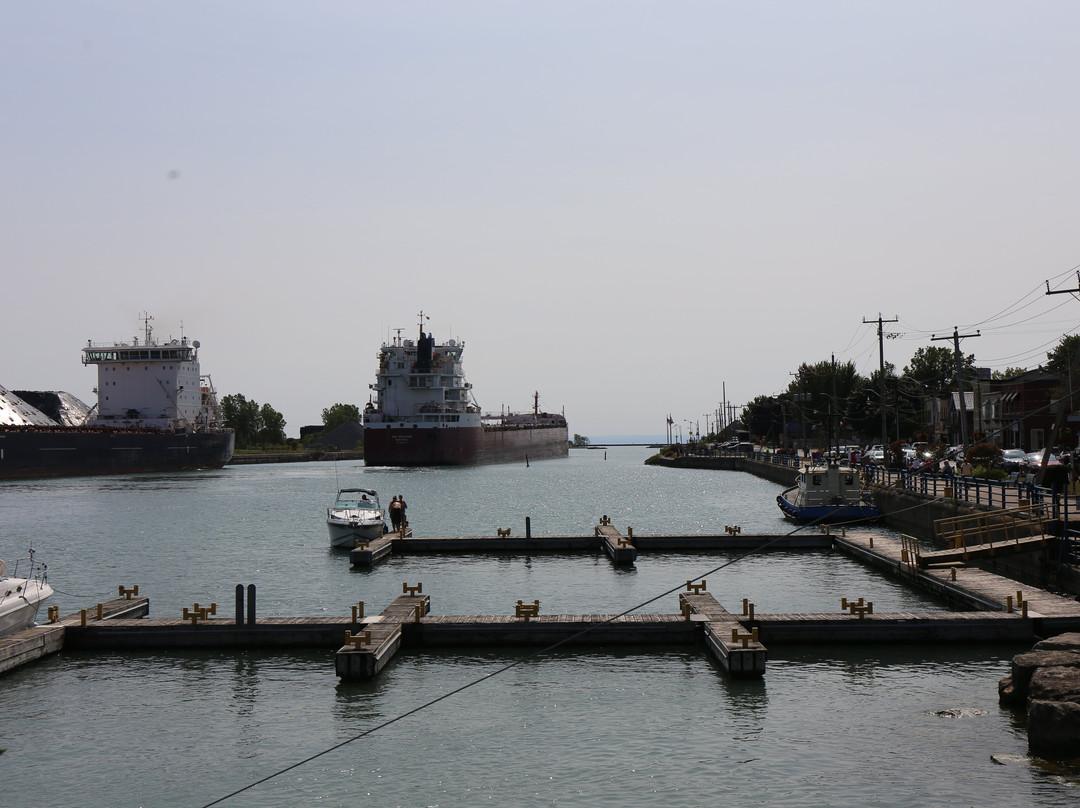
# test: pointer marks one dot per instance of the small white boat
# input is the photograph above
(22, 590)
(355, 516)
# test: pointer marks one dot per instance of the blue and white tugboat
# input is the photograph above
(827, 493)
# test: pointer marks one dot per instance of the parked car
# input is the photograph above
(876, 456)
(1013, 459)
(1034, 459)
(922, 451)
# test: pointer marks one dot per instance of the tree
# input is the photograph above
(1008, 373)
(339, 414)
(242, 417)
(1061, 359)
(579, 441)
(836, 397)
(763, 417)
(866, 404)
(251, 423)
(271, 426)
(935, 369)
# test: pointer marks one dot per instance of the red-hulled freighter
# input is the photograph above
(424, 414)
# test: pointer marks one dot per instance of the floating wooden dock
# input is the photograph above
(737, 641)
(620, 548)
(31, 644)
(995, 609)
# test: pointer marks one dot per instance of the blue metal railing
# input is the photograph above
(974, 490)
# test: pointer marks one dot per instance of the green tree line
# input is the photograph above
(261, 426)
(830, 398)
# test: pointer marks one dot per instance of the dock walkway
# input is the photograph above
(620, 548)
(31, 644)
(994, 608)
(971, 587)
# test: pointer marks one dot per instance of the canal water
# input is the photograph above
(606, 726)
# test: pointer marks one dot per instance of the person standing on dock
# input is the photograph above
(401, 510)
(395, 513)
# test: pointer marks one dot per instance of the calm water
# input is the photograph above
(827, 726)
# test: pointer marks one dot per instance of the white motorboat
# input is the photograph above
(355, 516)
(22, 590)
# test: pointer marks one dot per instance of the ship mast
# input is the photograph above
(148, 329)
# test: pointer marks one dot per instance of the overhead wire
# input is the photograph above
(531, 656)
(592, 627)
(1031, 297)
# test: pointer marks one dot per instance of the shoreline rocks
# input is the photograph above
(1046, 682)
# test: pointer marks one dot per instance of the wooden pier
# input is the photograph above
(31, 644)
(367, 651)
(620, 548)
(995, 609)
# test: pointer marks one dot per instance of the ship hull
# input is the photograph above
(28, 452)
(463, 446)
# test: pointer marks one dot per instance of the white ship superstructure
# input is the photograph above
(422, 385)
(424, 413)
(152, 384)
(155, 412)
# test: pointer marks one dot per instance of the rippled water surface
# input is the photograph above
(840, 725)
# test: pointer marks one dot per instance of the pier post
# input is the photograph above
(528, 527)
(251, 605)
(239, 604)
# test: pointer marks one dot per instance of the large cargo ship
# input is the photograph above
(155, 412)
(425, 414)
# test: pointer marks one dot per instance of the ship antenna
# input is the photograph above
(422, 318)
(147, 328)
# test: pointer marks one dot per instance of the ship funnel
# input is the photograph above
(423, 353)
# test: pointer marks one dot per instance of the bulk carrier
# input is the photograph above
(155, 412)
(424, 414)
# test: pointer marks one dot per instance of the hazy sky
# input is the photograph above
(622, 205)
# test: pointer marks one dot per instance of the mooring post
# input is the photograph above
(528, 527)
(239, 604)
(251, 605)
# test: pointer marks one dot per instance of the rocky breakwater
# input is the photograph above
(1046, 680)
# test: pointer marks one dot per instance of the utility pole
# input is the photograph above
(801, 398)
(881, 363)
(723, 396)
(1059, 419)
(831, 405)
(1050, 291)
(956, 337)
